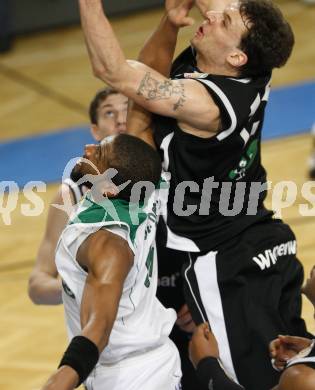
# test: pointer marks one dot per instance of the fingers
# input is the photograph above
(207, 331)
(285, 348)
(182, 311)
(278, 365)
(204, 343)
(188, 21)
(203, 330)
(183, 316)
(274, 347)
(287, 339)
(295, 343)
(188, 328)
(184, 320)
(278, 354)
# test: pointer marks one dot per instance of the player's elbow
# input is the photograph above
(111, 77)
(44, 289)
(100, 72)
(34, 291)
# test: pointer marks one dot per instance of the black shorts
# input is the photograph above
(249, 289)
(170, 293)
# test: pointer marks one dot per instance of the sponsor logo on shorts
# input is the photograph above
(270, 256)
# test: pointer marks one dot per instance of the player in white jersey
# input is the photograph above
(108, 114)
(106, 258)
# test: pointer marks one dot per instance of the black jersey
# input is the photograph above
(218, 184)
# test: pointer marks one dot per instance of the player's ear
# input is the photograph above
(237, 58)
(110, 190)
(95, 131)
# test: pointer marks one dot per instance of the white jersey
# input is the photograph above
(142, 323)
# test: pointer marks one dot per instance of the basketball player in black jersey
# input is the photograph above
(108, 112)
(242, 275)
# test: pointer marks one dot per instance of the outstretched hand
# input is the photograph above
(178, 12)
(286, 347)
(203, 344)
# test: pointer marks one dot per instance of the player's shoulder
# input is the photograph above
(106, 238)
(105, 244)
(297, 376)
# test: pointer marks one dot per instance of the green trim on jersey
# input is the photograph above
(117, 211)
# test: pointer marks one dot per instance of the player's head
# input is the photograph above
(270, 39)
(131, 157)
(108, 113)
(309, 287)
(249, 38)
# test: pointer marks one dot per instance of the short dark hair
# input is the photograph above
(100, 96)
(134, 160)
(270, 39)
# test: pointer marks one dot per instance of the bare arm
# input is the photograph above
(44, 286)
(297, 377)
(185, 100)
(108, 260)
(158, 50)
(157, 53)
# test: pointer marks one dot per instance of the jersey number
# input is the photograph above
(149, 265)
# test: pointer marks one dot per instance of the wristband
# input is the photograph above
(81, 355)
(210, 373)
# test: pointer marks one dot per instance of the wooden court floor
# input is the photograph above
(46, 84)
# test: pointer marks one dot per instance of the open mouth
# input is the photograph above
(200, 32)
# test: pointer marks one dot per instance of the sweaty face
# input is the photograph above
(111, 116)
(220, 34)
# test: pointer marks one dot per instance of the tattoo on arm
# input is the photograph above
(152, 89)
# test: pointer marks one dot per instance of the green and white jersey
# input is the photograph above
(142, 322)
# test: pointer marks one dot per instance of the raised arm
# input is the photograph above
(108, 260)
(44, 286)
(158, 50)
(185, 100)
(157, 53)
